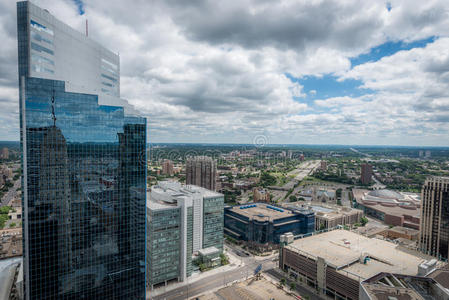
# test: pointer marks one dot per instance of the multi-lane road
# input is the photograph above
(11, 193)
(218, 280)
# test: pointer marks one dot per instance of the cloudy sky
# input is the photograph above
(297, 72)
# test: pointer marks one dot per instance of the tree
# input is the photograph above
(282, 282)
(292, 198)
(364, 221)
(292, 286)
(224, 259)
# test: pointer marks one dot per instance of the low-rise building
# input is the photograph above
(337, 261)
(183, 221)
(393, 208)
(330, 216)
(399, 286)
(10, 242)
(260, 225)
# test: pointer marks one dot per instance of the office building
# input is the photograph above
(260, 225)
(366, 173)
(434, 230)
(398, 286)
(335, 262)
(391, 207)
(5, 153)
(185, 224)
(261, 195)
(201, 171)
(83, 176)
(167, 167)
(330, 216)
(323, 165)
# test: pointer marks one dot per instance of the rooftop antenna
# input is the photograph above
(53, 116)
(87, 28)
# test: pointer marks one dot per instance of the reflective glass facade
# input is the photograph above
(84, 183)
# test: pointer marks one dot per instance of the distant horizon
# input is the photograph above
(285, 145)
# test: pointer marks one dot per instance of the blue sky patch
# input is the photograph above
(80, 6)
(327, 86)
(388, 49)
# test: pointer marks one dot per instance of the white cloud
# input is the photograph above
(210, 71)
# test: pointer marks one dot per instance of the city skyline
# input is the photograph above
(316, 73)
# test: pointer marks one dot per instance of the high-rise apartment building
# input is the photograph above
(5, 153)
(201, 171)
(366, 173)
(167, 167)
(84, 174)
(323, 165)
(434, 226)
(185, 221)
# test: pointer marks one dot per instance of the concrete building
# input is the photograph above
(398, 286)
(323, 165)
(182, 220)
(4, 153)
(10, 242)
(434, 233)
(167, 167)
(261, 195)
(260, 225)
(396, 232)
(393, 208)
(11, 279)
(201, 171)
(366, 173)
(337, 261)
(327, 216)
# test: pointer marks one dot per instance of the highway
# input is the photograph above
(305, 169)
(11, 193)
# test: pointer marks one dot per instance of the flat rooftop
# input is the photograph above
(346, 250)
(262, 211)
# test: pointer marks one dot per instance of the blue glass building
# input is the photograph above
(84, 166)
(261, 224)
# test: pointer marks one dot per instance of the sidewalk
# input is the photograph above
(234, 263)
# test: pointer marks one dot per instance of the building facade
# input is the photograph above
(4, 153)
(392, 208)
(167, 167)
(366, 173)
(82, 153)
(434, 233)
(260, 225)
(336, 262)
(261, 195)
(183, 222)
(201, 171)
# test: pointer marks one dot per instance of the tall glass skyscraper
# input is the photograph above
(84, 166)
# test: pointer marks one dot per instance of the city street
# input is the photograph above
(218, 280)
